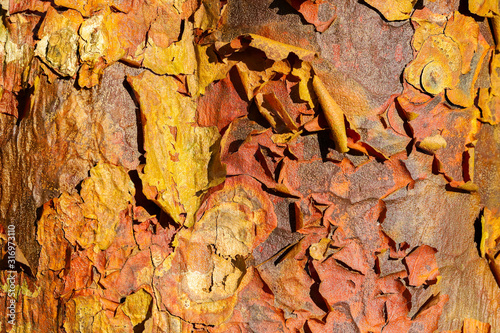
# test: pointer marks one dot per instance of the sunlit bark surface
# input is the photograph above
(250, 166)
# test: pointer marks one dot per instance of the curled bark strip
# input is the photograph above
(333, 114)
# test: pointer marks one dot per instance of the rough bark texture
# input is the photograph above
(250, 166)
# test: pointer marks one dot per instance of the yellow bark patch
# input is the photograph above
(437, 65)
(393, 10)
(136, 306)
(80, 313)
(490, 240)
(432, 143)
(278, 51)
(209, 69)
(177, 58)
(487, 8)
(181, 158)
(107, 192)
(333, 114)
(59, 41)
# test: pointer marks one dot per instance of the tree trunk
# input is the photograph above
(249, 166)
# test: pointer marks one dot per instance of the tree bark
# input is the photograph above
(249, 166)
